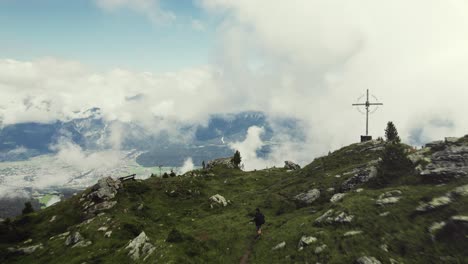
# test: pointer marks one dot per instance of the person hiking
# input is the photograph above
(259, 220)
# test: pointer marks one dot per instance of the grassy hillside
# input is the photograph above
(184, 226)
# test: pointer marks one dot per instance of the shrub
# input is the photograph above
(27, 208)
(236, 159)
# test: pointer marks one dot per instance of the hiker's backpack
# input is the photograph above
(261, 218)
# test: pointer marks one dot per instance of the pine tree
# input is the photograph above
(391, 133)
(203, 165)
(27, 208)
(236, 160)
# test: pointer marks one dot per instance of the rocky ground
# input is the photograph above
(330, 211)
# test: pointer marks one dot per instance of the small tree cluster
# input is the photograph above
(394, 162)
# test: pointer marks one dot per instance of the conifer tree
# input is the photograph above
(27, 208)
(391, 133)
(236, 159)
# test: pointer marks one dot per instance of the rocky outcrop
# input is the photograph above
(218, 199)
(308, 197)
(390, 197)
(101, 195)
(139, 247)
(449, 161)
(224, 162)
(361, 175)
(77, 240)
(26, 250)
(334, 217)
(289, 165)
(367, 260)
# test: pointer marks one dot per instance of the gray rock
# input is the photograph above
(352, 233)
(305, 241)
(330, 217)
(219, 200)
(26, 250)
(225, 162)
(451, 162)
(343, 218)
(101, 195)
(82, 244)
(73, 239)
(434, 204)
(337, 197)
(325, 216)
(361, 176)
(320, 249)
(308, 197)
(390, 197)
(367, 260)
(289, 165)
(279, 246)
(140, 246)
(108, 234)
(459, 218)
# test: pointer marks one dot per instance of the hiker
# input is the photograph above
(259, 220)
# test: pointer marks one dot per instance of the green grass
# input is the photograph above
(223, 234)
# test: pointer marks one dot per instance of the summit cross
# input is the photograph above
(367, 104)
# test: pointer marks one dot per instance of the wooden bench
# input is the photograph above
(127, 178)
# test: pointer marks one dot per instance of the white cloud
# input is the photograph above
(150, 8)
(313, 58)
(187, 166)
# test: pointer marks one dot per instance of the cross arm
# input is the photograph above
(359, 104)
(376, 104)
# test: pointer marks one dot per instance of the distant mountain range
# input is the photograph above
(92, 132)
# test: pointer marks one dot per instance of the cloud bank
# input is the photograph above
(308, 59)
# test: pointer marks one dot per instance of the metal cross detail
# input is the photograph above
(367, 104)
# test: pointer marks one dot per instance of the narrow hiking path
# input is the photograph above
(245, 257)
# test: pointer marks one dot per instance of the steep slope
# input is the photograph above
(331, 211)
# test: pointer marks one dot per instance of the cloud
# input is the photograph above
(248, 148)
(187, 166)
(312, 58)
(150, 8)
(308, 59)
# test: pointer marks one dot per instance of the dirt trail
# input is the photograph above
(245, 257)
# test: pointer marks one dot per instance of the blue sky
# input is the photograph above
(123, 37)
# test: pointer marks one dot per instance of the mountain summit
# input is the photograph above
(337, 209)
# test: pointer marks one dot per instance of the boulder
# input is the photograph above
(73, 239)
(140, 246)
(337, 197)
(101, 195)
(308, 197)
(219, 200)
(289, 165)
(367, 260)
(279, 246)
(305, 241)
(224, 162)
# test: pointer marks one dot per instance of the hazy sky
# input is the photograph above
(183, 60)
